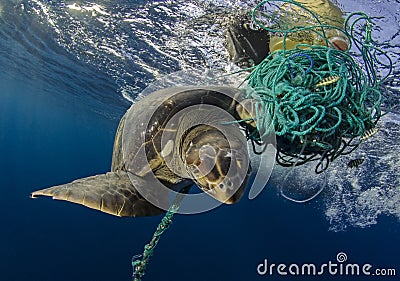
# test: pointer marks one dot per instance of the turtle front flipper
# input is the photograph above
(112, 193)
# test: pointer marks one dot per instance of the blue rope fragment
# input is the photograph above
(301, 55)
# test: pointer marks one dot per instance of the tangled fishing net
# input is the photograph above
(319, 100)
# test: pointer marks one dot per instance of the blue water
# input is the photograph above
(61, 98)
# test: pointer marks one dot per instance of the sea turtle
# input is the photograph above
(177, 137)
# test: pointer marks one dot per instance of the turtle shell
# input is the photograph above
(142, 128)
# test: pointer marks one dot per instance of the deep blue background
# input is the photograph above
(44, 142)
(50, 135)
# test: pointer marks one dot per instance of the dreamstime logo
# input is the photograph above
(341, 257)
(340, 267)
(192, 132)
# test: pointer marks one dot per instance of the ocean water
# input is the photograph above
(69, 71)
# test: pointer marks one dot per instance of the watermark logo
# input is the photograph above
(341, 257)
(340, 267)
(183, 130)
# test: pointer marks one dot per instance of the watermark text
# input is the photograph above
(338, 267)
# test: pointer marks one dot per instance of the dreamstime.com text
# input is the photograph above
(339, 267)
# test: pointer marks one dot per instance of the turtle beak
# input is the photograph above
(222, 194)
(221, 172)
(238, 194)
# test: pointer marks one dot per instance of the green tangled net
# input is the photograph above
(318, 100)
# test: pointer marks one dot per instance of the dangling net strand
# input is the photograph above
(139, 262)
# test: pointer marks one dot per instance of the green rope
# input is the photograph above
(139, 262)
(317, 100)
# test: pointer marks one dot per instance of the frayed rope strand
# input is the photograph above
(139, 262)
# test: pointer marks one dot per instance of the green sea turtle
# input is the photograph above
(177, 137)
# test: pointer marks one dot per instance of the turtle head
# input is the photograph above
(218, 163)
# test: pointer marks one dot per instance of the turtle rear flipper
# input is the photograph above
(112, 193)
